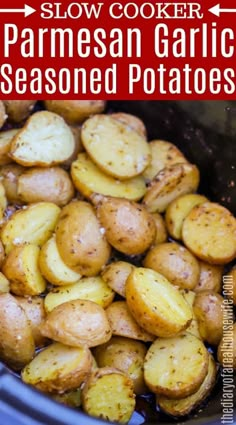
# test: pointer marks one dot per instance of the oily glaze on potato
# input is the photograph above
(9, 177)
(35, 313)
(210, 278)
(115, 275)
(77, 323)
(117, 149)
(5, 144)
(18, 110)
(75, 111)
(80, 241)
(128, 226)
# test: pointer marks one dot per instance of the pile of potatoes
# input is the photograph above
(83, 195)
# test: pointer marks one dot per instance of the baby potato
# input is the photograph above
(117, 149)
(4, 284)
(174, 262)
(190, 296)
(170, 183)
(226, 353)
(58, 368)
(229, 285)
(108, 394)
(161, 232)
(16, 342)
(178, 210)
(131, 121)
(209, 231)
(45, 140)
(5, 144)
(129, 228)
(33, 224)
(9, 178)
(77, 323)
(70, 398)
(3, 115)
(208, 308)
(18, 110)
(163, 154)
(210, 278)
(89, 179)
(21, 268)
(91, 288)
(115, 275)
(3, 201)
(80, 241)
(75, 111)
(123, 324)
(45, 184)
(126, 355)
(156, 304)
(35, 313)
(176, 367)
(76, 131)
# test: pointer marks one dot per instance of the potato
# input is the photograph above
(229, 285)
(4, 284)
(108, 394)
(210, 278)
(18, 110)
(185, 405)
(89, 179)
(44, 140)
(76, 131)
(156, 304)
(178, 210)
(45, 184)
(161, 232)
(174, 262)
(58, 368)
(129, 228)
(91, 288)
(164, 154)
(131, 121)
(190, 296)
(33, 224)
(176, 367)
(126, 355)
(2, 254)
(53, 267)
(80, 240)
(5, 144)
(209, 231)
(3, 201)
(77, 323)
(35, 313)
(9, 178)
(16, 342)
(75, 111)
(70, 398)
(226, 353)
(170, 183)
(3, 115)
(117, 149)
(122, 323)
(115, 275)
(208, 308)
(21, 268)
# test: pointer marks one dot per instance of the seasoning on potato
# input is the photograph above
(35, 313)
(115, 275)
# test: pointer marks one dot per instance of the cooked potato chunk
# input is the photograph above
(89, 179)
(226, 353)
(35, 313)
(190, 296)
(174, 262)
(77, 323)
(3, 115)
(229, 285)
(178, 210)
(3, 201)
(45, 184)
(16, 342)
(4, 284)
(21, 268)
(33, 224)
(18, 110)
(131, 121)
(128, 226)
(44, 140)
(117, 149)
(170, 183)
(108, 394)
(9, 177)
(126, 355)
(122, 323)
(58, 368)
(80, 241)
(76, 131)
(185, 405)
(115, 275)
(70, 398)
(156, 304)
(161, 232)
(75, 111)
(176, 367)
(5, 144)
(210, 278)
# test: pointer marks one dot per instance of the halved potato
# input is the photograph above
(89, 179)
(75, 111)
(108, 394)
(131, 121)
(176, 367)
(117, 149)
(3, 201)
(18, 110)
(190, 296)
(210, 278)
(35, 313)
(115, 275)
(5, 144)
(21, 268)
(3, 115)
(58, 368)
(44, 140)
(76, 131)
(209, 231)
(161, 232)
(184, 406)
(122, 323)
(70, 398)
(156, 304)
(33, 224)
(77, 323)
(9, 178)
(4, 284)
(170, 183)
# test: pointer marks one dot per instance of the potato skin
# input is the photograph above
(18, 110)
(5, 144)
(32, 184)
(3, 115)
(115, 275)
(226, 353)
(80, 241)
(75, 111)
(131, 121)
(35, 313)
(161, 232)
(10, 174)
(210, 278)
